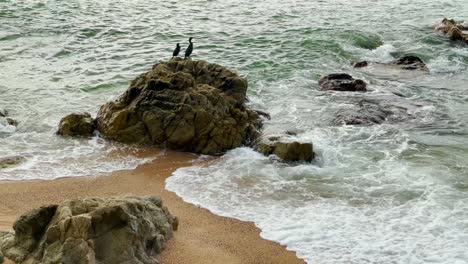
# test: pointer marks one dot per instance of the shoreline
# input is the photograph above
(203, 237)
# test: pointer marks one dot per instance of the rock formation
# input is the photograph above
(408, 62)
(7, 124)
(342, 82)
(285, 147)
(91, 230)
(77, 125)
(455, 31)
(185, 105)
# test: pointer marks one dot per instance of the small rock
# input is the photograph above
(77, 124)
(454, 30)
(11, 161)
(342, 82)
(410, 63)
(285, 147)
(360, 64)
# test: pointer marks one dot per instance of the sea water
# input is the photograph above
(390, 193)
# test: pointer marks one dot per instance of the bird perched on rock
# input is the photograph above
(189, 49)
(176, 51)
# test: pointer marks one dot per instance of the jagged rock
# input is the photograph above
(10, 161)
(342, 82)
(455, 31)
(92, 230)
(408, 62)
(185, 105)
(77, 124)
(285, 148)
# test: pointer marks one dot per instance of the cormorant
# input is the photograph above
(176, 51)
(189, 49)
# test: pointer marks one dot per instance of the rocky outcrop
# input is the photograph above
(10, 161)
(285, 147)
(408, 62)
(91, 230)
(342, 82)
(77, 125)
(455, 31)
(185, 105)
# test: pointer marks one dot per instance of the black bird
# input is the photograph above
(176, 51)
(189, 49)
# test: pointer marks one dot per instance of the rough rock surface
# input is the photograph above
(77, 124)
(285, 148)
(91, 230)
(455, 31)
(9, 161)
(408, 62)
(342, 82)
(185, 105)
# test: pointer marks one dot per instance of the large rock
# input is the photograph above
(91, 230)
(341, 82)
(185, 105)
(285, 147)
(455, 31)
(77, 125)
(407, 62)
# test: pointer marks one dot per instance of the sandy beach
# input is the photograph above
(202, 236)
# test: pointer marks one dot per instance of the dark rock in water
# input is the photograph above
(406, 63)
(342, 82)
(285, 148)
(185, 105)
(77, 125)
(455, 31)
(360, 64)
(91, 230)
(368, 112)
(5, 120)
(6, 162)
(410, 63)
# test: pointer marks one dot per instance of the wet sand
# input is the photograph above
(202, 236)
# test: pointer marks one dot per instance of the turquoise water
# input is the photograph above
(390, 193)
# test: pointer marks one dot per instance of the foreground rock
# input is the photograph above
(77, 125)
(285, 148)
(186, 105)
(406, 63)
(92, 230)
(342, 82)
(455, 31)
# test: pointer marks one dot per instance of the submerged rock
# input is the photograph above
(7, 124)
(367, 112)
(77, 125)
(285, 148)
(91, 230)
(11, 161)
(342, 82)
(455, 31)
(408, 62)
(185, 105)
